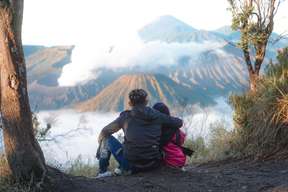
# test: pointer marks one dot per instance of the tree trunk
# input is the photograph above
(254, 74)
(24, 155)
(253, 78)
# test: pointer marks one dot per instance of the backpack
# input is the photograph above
(167, 135)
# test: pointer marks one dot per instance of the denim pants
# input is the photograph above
(112, 146)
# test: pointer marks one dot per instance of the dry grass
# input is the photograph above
(7, 184)
(4, 171)
(87, 168)
(220, 142)
(261, 118)
(80, 167)
(217, 148)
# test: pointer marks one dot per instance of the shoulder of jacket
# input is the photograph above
(126, 112)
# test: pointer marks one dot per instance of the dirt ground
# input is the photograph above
(221, 176)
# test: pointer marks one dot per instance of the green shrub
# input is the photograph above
(87, 168)
(199, 147)
(7, 183)
(220, 142)
(218, 146)
(261, 118)
(80, 167)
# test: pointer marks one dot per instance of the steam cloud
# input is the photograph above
(129, 52)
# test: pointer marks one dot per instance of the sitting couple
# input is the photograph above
(151, 137)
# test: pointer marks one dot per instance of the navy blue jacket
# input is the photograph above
(142, 132)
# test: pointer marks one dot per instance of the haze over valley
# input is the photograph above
(193, 71)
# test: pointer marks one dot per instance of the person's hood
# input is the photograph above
(144, 112)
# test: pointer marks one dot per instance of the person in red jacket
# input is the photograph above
(172, 140)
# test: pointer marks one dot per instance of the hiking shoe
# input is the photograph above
(105, 174)
(117, 171)
(183, 169)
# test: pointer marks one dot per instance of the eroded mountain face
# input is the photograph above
(212, 67)
(44, 64)
(159, 87)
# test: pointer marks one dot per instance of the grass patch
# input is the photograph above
(87, 168)
(81, 167)
(7, 183)
(217, 148)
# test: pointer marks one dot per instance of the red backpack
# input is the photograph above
(173, 154)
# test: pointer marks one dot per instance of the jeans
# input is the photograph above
(112, 146)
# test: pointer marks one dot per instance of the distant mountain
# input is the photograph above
(227, 34)
(44, 64)
(159, 87)
(275, 42)
(46, 97)
(225, 30)
(54, 97)
(44, 67)
(193, 77)
(169, 29)
(217, 72)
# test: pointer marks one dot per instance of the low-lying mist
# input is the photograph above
(74, 134)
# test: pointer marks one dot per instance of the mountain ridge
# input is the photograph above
(170, 29)
(159, 88)
(214, 72)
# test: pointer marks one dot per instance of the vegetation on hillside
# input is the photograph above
(261, 117)
(260, 121)
(217, 148)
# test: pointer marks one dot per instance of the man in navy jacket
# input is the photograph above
(142, 131)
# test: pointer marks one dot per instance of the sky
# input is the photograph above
(63, 22)
(94, 26)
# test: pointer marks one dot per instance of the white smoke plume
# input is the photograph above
(129, 52)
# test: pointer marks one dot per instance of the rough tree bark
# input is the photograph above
(24, 155)
(255, 72)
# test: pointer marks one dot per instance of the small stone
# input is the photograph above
(284, 171)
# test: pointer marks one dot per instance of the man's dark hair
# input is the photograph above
(138, 96)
